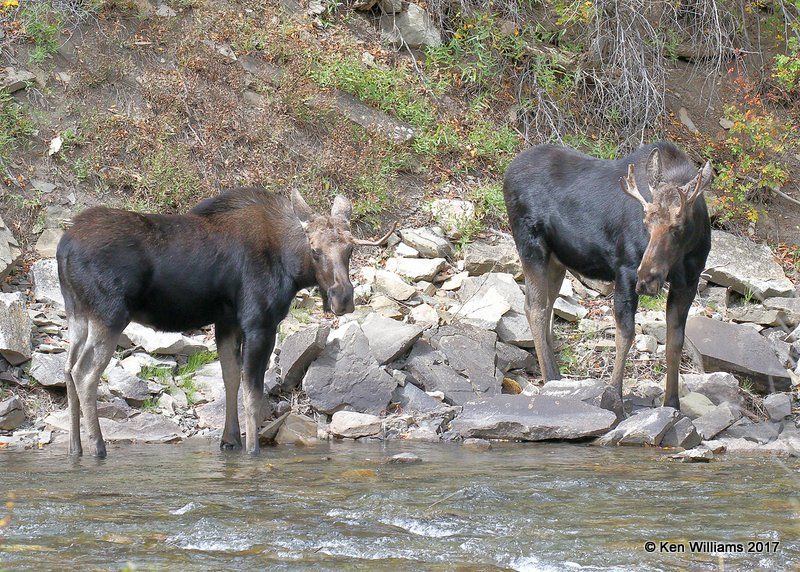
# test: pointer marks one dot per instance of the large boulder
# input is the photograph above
(15, 329)
(483, 310)
(647, 427)
(747, 267)
(472, 353)
(592, 391)
(413, 28)
(411, 399)
(429, 368)
(481, 258)
(127, 386)
(682, 434)
(778, 406)
(298, 351)
(10, 251)
(389, 339)
(142, 428)
(346, 376)
(536, 418)
(740, 349)
(48, 369)
(510, 357)
(46, 287)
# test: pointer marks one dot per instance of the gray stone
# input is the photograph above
(393, 286)
(683, 115)
(656, 329)
(298, 351)
(425, 315)
(297, 430)
(720, 387)
(14, 80)
(404, 459)
(511, 357)
(483, 310)
(695, 405)
(647, 427)
(714, 422)
(115, 409)
(428, 242)
(389, 339)
(164, 11)
(351, 425)
(453, 215)
(15, 329)
(569, 309)
(48, 369)
(762, 433)
(536, 418)
(11, 414)
(416, 268)
(386, 307)
(477, 444)
(700, 454)
(429, 368)
(471, 352)
(10, 251)
(603, 287)
(163, 343)
(366, 116)
(789, 306)
(411, 399)
(778, 406)
(500, 282)
(513, 328)
(347, 376)
(738, 349)
(646, 343)
(46, 287)
(745, 266)
(756, 314)
(390, 6)
(643, 394)
(482, 258)
(592, 391)
(134, 390)
(683, 434)
(142, 428)
(413, 28)
(48, 241)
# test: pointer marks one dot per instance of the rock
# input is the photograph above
(569, 309)
(351, 425)
(738, 349)
(642, 394)
(222, 49)
(142, 428)
(747, 267)
(778, 406)
(511, 357)
(477, 444)
(416, 268)
(714, 422)
(470, 352)
(719, 387)
(656, 329)
(646, 343)
(683, 434)
(366, 116)
(413, 28)
(513, 328)
(790, 308)
(726, 123)
(404, 458)
(163, 343)
(48, 369)
(386, 307)
(481, 258)
(411, 399)
(695, 405)
(683, 115)
(164, 11)
(11, 414)
(592, 391)
(501, 282)
(425, 314)
(603, 287)
(389, 339)
(10, 251)
(298, 351)
(48, 241)
(453, 215)
(484, 310)
(405, 251)
(46, 287)
(14, 80)
(756, 314)
(129, 387)
(429, 367)
(346, 375)
(428, 242)
(700, 454)
(393, 286)
(761, 433)
(646, 427)
(297, 430)
(15, 329)
(536, 418)
(455, 281)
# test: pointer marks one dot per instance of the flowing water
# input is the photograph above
(340, 506)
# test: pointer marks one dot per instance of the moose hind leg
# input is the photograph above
(536, 310)
(78, 332)
(257, 348)
(555, 277)
(229, 348)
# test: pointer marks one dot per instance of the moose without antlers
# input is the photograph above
(639, 221)
(236, 261)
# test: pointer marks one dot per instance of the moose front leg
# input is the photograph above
(625, 303)
(258, 346)
(229, 343)
(679, 301)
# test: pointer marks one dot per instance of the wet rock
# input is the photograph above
(482, 258)
(15, 329)
(511, 357)
(393, 286)
(297, 430)
(48, 369)
(569, 309)
(413, 28)
(592, 391)
(10, 251)
(453, 215)
(428, 242)
(695, 405)
(789, 306)
(646, 427)
(745, 266)
(346, 375)
(738, 349)
(404, 458)
(45, 282)
(778, 406)
(48, 241)
(700, 454)
(298, 351)
(11, 414)
(142, 428)
(683, 434)
(477, 444)
(536, 418)
(389, 339)
(351, 425)
(129, 387)
(416, 268)
(714, 422)
(13, 80)
(762, 433)
(163, 343)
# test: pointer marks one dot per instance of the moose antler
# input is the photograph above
(703, 176)
(380, 241)
(629, 187)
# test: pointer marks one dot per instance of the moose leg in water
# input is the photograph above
(229, 342)
(679, 301)
(257, 346)
(78, 331)
(625, 303)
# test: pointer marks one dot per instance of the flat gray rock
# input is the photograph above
(389, 339)
(745, 266)
(592, 391)
(142, 428)
(162, 343)
(430, 369)
(714, 422)
(48, 369)
(757, 314)
(761, 433)
(647, 427)
(719, 387)
(416, 268)
(481, 258)
(347, 376)
(47, 242)
(413, 28)
(510, 357)
(10, 251)
(501, 282)
(11, 414)
(513, 328)
(683, 434)
(12, 80)
(738, 349)
(789, 306)
(411, 399)
(393, 286)
(45, 282)
(568, 308)
(352, 425)
(298, 351)
(700, 454)
(472, 353)
(129, 387)
(536, 418)
(428, 242)
(15, 329)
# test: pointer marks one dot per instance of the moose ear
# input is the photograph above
(653, 168)
(301, 208)
(342, 209)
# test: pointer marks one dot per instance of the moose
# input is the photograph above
(236, 261)
(639, 221)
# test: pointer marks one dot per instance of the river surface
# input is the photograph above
(338, 506)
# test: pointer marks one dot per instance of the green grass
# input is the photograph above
(43, 24)
(158, 373)
(150, 405)
(653, 302)
(15, 125)
(196, 361)
(302, 315)
(568, 359)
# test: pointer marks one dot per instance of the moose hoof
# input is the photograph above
(100, 452)
(226, 446)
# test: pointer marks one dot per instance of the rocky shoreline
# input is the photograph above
(438, 349)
